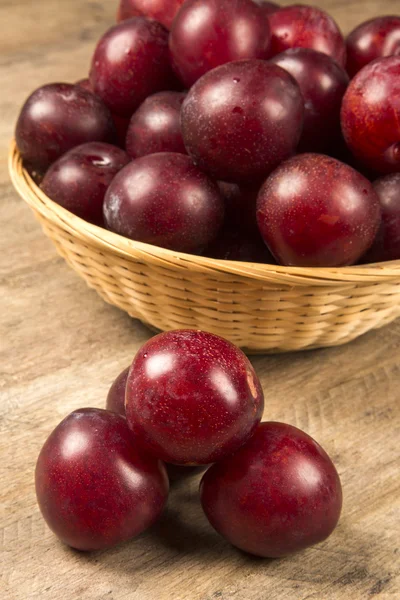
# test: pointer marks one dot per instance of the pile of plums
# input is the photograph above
(237, 130)
(189, 398)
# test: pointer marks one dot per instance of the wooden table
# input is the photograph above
(61, 347)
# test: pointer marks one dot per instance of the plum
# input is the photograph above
(242, 119)
(58, 117)
(78, 180)
(192, 397)
(156, 126)
(278, 494)
(314, 211)
(370, 115)
(303, 26)
(163, 199)
(94, 485)
(210, 33)
(323, 84)
(131, 61)
(163, 11)
(372, 39)
(116, 394)
(386, 245)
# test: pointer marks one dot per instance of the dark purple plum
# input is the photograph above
(58, 117)
(244, 246)
(315, 211)
(302, 26)
(241, 120)
(370, 115)
(192, 397)
(208, 33)
(163, 11)
(279, 494)
(323, 84)
(372, 39)
(94, 485)
(156, 126)
(121, 124)
(131, 61)
(78, 180)
(163, 199)
(240, 206)
(116, 394)
(387, 242)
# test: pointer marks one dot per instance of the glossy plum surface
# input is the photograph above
(78, 180)
(315, 211)
(241, 120)
(280, 493)
(156, 126)
(131, 61)
(372, 39)
(121, 124)
(163, 199)
(370, 115)
(94, 485)
(116, 395)
(58, 117)
(192, 397)
(305, 26)
(210, 33)
(163, 11)
(387, 242)
(267, 7)
(323, 84)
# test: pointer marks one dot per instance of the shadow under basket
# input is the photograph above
(261, 308)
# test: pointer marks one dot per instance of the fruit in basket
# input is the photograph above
(94, 485)
(78, 180)
(314, 211)
(163, 11)
(372, 39)
(371, 115)
(163, 199)
(323, 84)
(121, 124)
(302, 26)
(240, 245)
(192, 397)
(280, 493)
(156, 126)
(116, 394)
(240, 206)
(267, 7)
(387, 242)
(240, 120)
(58, 117)
(131, 61)
(209, 33)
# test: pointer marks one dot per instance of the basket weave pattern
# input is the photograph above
(261, 308)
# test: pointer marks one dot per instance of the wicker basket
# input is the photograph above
(261, 308)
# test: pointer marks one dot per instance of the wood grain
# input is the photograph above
(61, 346)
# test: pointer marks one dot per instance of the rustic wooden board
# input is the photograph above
(61, 346)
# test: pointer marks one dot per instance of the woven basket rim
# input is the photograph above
(108, 241)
